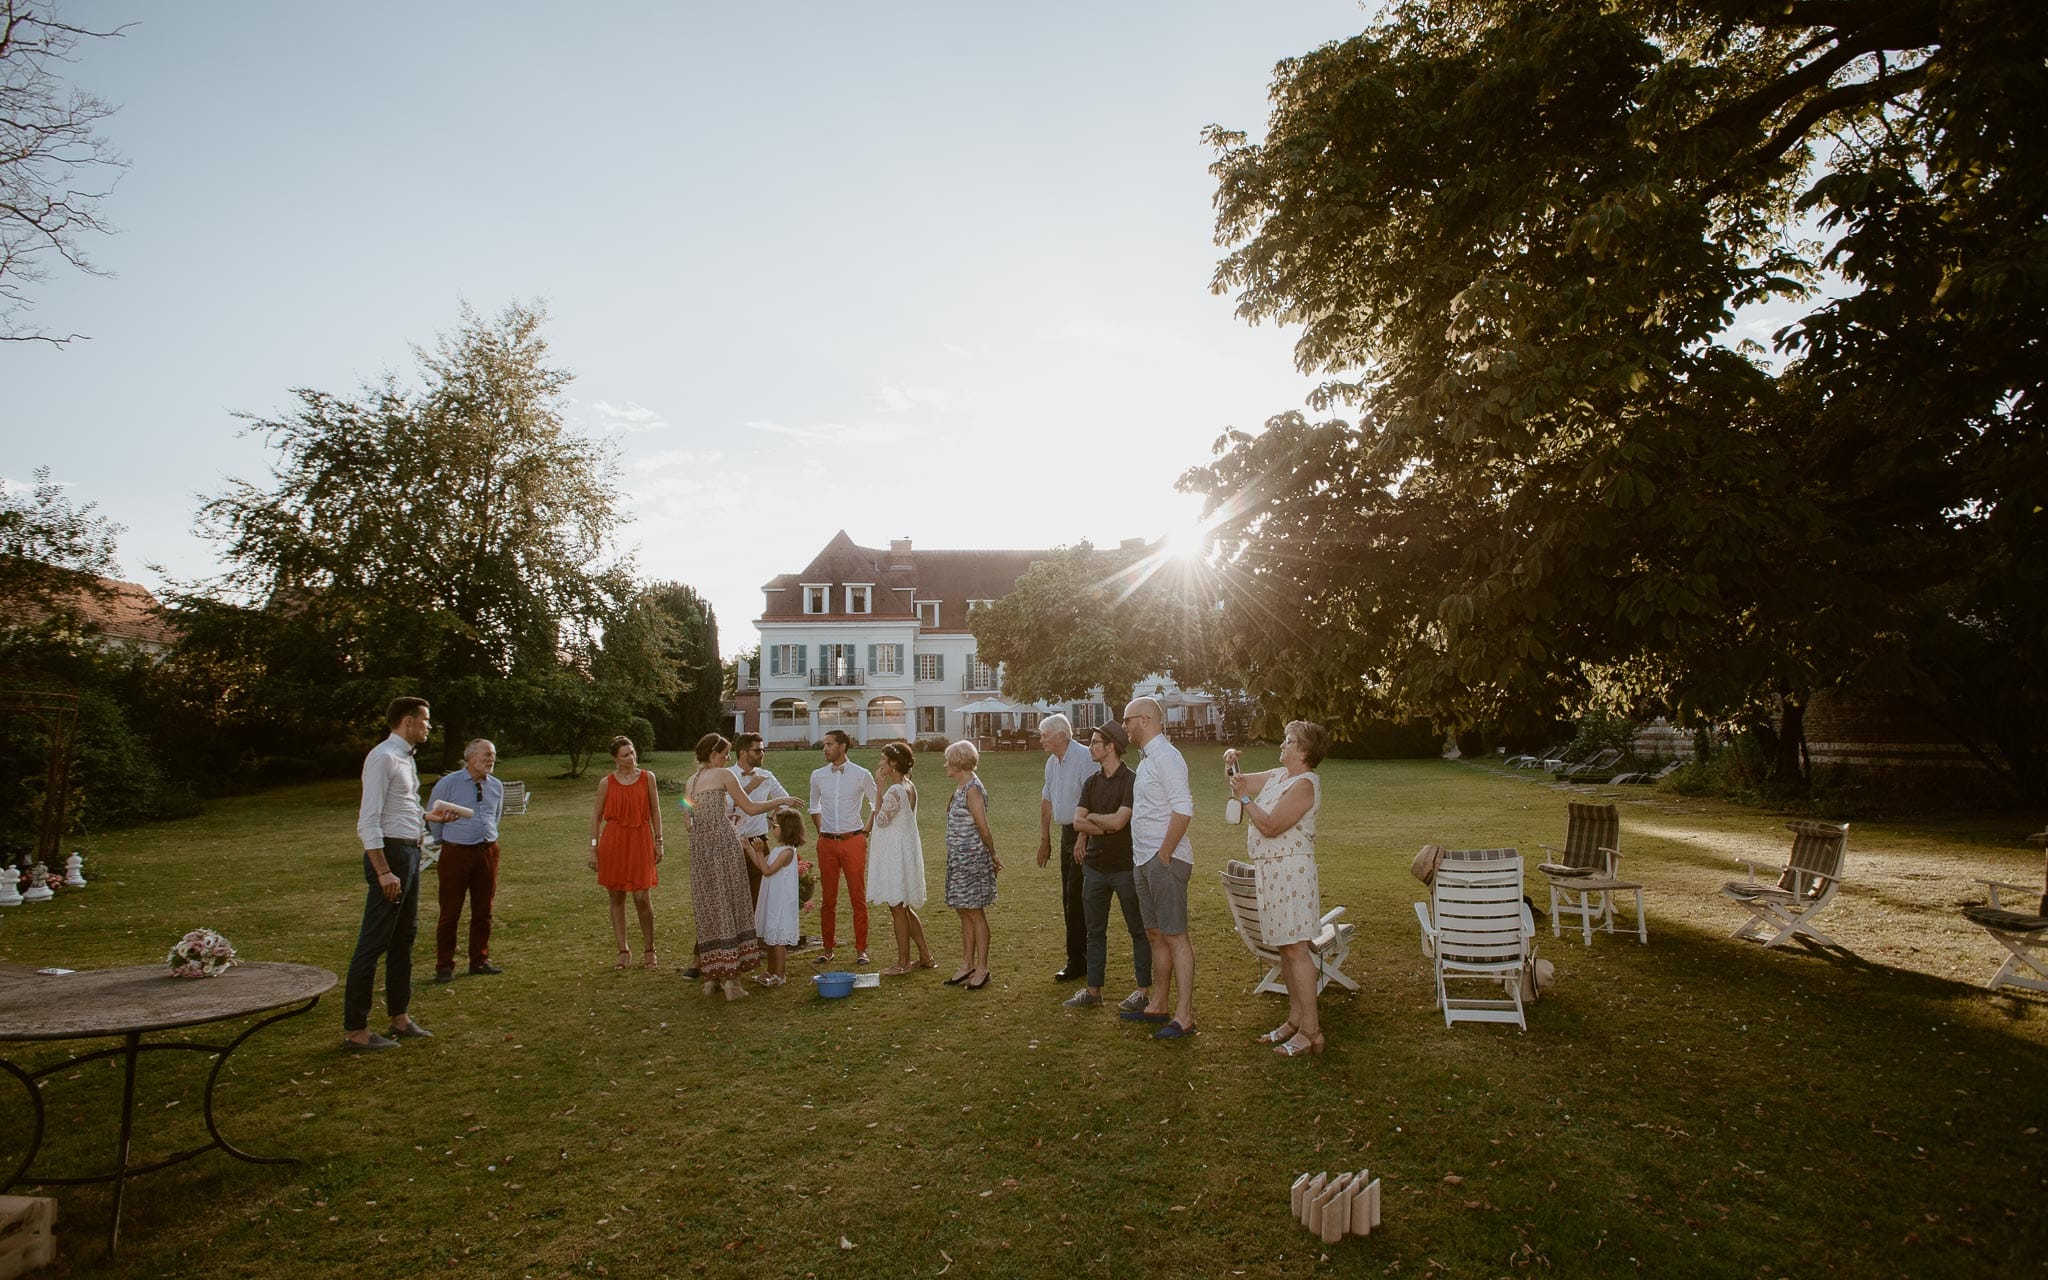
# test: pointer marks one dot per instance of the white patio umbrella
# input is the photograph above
(988, 707)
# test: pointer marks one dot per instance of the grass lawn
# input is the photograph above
(1697, 1106)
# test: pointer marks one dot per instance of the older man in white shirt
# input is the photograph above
(389, 826)
(1162, 807)
(837, 792)
(1067, 767)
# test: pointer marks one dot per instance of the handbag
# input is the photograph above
(1424, 866)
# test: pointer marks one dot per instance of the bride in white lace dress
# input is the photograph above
(896, 858)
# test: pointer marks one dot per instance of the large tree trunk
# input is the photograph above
(1789, 766)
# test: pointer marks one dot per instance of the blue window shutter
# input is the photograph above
(871, 659)
(899, 659)
(803, 658)
(942, 666)
(774, 659)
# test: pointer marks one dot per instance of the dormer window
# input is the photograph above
(817, 599)
(928, 614)
(860, 599)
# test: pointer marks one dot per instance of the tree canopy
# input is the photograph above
(447, 537)
(52, 554)
(1518, 239)
(692, 654)
(55, 168)
(1081, 618)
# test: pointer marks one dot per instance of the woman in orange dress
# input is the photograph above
(625, 846)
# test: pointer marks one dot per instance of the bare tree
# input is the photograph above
(55, 168)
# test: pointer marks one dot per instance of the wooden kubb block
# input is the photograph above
(27, 1234)
(1332, 1208)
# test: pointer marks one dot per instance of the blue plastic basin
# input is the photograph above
(834, 986)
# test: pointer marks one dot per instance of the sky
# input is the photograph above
(937, 271)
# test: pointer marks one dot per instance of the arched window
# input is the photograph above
(838, 713)
(891, 709)
(790, 712)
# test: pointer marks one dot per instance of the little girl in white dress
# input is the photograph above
(775, 910)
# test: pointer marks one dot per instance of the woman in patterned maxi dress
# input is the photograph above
(726, 944)
(1281, 806)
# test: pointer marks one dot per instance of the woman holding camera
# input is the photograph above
(1280, 805)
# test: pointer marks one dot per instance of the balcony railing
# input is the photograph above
(985, 680)
(837, 678)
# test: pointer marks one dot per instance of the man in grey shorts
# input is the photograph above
(1162, 806)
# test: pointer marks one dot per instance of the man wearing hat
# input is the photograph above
(1102, 847)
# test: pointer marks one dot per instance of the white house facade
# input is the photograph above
(876, 642)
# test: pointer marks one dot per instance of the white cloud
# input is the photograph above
(898, 399)
(851, 435)
(632, 418)
(1150, 343)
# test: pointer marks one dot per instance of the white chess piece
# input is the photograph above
(74, 870)
(10, 885)
(38, 885)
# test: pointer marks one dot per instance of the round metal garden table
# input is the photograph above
(132, 1003)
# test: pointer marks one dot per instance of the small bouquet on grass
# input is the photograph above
(806, 883)
(201, 953)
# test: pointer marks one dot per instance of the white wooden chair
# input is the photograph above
(2024, 937)
(1477, 928)
(1583, 875)
(516, 796)
(1786, 907)
(1330, 947)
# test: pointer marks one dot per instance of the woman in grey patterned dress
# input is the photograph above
(1281, 806)
(971, 864)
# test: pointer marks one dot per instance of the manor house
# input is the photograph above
(876, 642)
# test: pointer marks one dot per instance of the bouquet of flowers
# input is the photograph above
(201, 953)
(806, 883)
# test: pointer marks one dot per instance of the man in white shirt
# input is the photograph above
(1162, 807)
(837, 793)
(1067, 766)
(389, 826)
(760, 785)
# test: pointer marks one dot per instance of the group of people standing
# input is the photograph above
(1122, 836)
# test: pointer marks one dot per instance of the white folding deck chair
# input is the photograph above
(1330, 947)
(1583, 879)
(1787, 906)
(1477, 928)
(1599, 765)
(2023, 935)
(515, 799)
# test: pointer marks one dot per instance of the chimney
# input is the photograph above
(1131, 544)
(899, 545)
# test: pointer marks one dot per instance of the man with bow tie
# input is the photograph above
(389, 826)
(837, 792)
